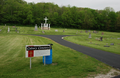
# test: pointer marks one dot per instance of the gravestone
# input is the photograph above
(102, 33)
(8, 29)
(94, 31)
(5, 24)
(43, 32)
(63, 30)
(0, 29)
(80, 31)
(35, 27)
(56, 30)
(101, 38)
(112, 44)
(13, 26)
(106, 45)
(77, 32)
(39, 26)
(90, 42)
(90, 35)
(16, 30)
(118, 38)
(49, 26)
(86, 31)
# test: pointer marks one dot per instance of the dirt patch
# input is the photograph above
(110, 74)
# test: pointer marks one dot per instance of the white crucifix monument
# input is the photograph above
(45, 25)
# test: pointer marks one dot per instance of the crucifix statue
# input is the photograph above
(45, 20)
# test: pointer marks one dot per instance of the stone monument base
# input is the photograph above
(45, 28)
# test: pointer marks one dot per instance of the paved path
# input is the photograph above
(103, 56)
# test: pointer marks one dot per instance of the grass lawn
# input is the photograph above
(108, 38)
(67, 63)
(30, 30)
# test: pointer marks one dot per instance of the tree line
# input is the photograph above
(19, 12)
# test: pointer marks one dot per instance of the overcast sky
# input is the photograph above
(94, 4)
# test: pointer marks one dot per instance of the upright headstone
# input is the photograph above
(16, 29)
(5, 24)
(8, 29)
(49, 26)
(102, 33)
(86, 31)
(101, 38)
(63, 30)
(35, 27)
(89, 35)
(77, 32)
(41, 25)
(0, 29)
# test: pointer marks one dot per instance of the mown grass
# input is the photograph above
(31, 30)
(67, 63)
(81, 38)
(108, 38)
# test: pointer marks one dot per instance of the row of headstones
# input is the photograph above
(104, 45)
(15, 29)
(9, 29)
(86, 31)
(57, 30)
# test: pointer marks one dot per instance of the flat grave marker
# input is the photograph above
(106, 45)
(112, 44)
(56, 30)
(43, 32)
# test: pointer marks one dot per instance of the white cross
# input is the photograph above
(45, 20)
